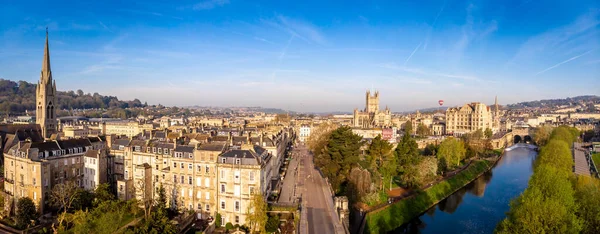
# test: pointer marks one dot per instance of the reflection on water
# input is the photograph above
(480, 205)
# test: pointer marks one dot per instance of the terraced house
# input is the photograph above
(32, 169)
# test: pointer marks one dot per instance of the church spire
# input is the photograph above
(496, 109)
(46, 72)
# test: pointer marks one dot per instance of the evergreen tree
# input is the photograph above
(382, 160)
(342, 152)
(26, 212)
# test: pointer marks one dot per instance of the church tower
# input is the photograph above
(46, 100)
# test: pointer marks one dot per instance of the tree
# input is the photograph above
(546, 206)
(541, 134)
(451, 152)
(102, 194)
(161, 202)
(84, 199)
(587, 192)
(422, 130)
(382, 159)
(256, 215)
(426, 171)
(26, 212)
(218, 220)
(62, 196)
(556, 153)
(408, 128)
(146, 199)
(477, 135)
(339, 156)
(407, 153)
(488, 133)
(430, 150)
(272, 224)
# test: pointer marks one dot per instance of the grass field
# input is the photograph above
(401, 212)
(596, 159)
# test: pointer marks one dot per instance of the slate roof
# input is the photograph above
(215, 146)
(184, 148)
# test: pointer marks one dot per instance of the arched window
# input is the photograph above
(52, 112)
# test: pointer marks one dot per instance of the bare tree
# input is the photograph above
(144, 197)
(62, 196)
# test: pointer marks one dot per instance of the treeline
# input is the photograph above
(17, 97)
(556, 200)
(364, 171)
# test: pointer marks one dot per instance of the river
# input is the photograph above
(479, 206)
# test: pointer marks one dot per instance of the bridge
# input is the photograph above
(522, 133)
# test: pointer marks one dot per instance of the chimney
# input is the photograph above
(260, 136)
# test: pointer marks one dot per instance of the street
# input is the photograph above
(318, 213)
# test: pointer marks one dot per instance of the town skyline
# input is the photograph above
(273, 56)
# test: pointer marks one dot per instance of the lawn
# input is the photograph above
(596, 159)
(394, 216)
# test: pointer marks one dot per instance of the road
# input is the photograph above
(581, 164)
(318, 213)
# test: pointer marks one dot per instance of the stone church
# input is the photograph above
(371, 116)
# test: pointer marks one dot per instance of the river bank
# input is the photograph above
(399, 213)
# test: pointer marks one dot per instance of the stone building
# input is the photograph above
(46, 97)
(471, 117)
(242, 172)
(371, 116)
(32, 169)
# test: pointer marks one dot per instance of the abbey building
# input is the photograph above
(371, 116)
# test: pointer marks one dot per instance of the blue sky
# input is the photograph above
(309, 55)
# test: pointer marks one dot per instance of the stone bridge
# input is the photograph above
(522, 134)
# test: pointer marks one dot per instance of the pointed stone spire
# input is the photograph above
(496, 104)
(46, 72)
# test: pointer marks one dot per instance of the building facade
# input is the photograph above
(371, 116)
(242, 173)
(471, 117)
(32, 169)
(304, 132)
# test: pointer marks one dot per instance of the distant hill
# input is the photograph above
(16, 97)
(550, 103)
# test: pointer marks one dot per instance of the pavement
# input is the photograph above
(318, 213)
(582, 166)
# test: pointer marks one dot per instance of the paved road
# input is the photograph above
(289, 187)
(320, 216)
(581, 164)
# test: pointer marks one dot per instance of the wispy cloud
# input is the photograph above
(303, 30)
(152, 13)
(418, 71)
(582, 32)
(414, 80)
(428, 37)
(411, 54)
(76, 26)
(282, 56)
(209, 4)
(563, 62)
(264, 40)
(104, 26)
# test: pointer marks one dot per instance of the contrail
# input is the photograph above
(411, 54)
(563, 62)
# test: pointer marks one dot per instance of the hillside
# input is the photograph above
(17, 97)
(549, 103)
